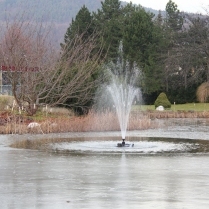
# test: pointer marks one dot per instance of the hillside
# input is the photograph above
(49, 10)
(58, 12)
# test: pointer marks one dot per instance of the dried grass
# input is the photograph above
(97, 122)
(203, 92)
(6, 101)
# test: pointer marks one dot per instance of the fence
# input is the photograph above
(6, 89)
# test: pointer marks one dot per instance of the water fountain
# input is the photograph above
(123, 92)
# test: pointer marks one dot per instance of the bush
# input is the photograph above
(6, 100)
(203, 92)
(162, 100)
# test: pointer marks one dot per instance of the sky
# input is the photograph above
(194, 6)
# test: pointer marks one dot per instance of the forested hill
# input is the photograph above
(59, 11)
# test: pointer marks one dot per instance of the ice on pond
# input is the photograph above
(111, 146)
(127, 177)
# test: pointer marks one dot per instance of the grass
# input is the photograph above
(177, 107)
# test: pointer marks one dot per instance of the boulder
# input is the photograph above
(160, 108)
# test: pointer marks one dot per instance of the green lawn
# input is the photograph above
(176, 107)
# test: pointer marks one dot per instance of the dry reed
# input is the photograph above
(92, 122)
(203, 92)
(105, 121)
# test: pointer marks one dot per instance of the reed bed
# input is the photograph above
(98, 122)
(95, 122)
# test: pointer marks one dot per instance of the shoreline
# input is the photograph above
(169, 128)
(163, 133)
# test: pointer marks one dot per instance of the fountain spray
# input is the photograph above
(123, 92)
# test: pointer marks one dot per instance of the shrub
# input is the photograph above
(203, 92)
(6, 100)
(162, 100)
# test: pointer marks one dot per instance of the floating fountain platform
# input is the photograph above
(137, 145)
(123, 144)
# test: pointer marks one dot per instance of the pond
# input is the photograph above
(173, 175)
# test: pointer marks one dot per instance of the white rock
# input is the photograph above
(160, 108)
(33, 125)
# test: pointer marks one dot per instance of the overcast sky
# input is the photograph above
(195, 6)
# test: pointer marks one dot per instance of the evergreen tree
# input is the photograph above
(171, 32)
(82, 25)
(141, 43)
(108, 22)
(81, 38)
(159, 19)
(174, 19)
(137, 34)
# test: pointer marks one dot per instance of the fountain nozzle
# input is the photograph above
(123, 144)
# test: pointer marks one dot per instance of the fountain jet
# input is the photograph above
(123, 92)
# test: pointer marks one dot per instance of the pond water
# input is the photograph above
(173, 175)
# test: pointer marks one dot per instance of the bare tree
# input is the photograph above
(40, 74)
(198, 36)
(187, 63)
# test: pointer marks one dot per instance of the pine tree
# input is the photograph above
(174, 19)
(137, 34)
(108, 22)
(159, 19)
(81, 55)
(82, 25)
(141, 43)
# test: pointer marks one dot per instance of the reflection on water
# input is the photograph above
(175, 177)
(137, 146)
(33, 179)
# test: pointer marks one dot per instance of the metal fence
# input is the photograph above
(6, 89)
